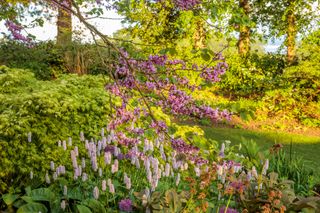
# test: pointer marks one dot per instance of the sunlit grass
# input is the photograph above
(302, 146)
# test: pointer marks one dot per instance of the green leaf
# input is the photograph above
(27, 199)
(33, 208)
(42, 194)
(75, 194)
(95, 205)
(18, 203)
(205, 56)
(308, 210)
(83, 209)
(9, 198)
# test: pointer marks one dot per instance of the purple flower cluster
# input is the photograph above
(238, 186)
(114, 89)
(186, 4)
(124, 140)
(160, 60)
(15, 30)
(213, 74)
(182, 147)
(122, 116)
(159, 126)
(178, 102)
(228, 210)
(125, 205)
(182, 104)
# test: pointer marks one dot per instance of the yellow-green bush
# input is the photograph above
(51, 111)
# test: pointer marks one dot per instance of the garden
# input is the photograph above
(181, 110)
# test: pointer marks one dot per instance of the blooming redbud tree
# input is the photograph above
(138, 147)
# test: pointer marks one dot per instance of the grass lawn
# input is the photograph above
(304, 146)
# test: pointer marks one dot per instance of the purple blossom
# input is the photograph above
(104, 185)
(181, 146)
(160, 126)
(229, 210)
(124, 140)
(125, 205)
(15, 30)
(96, 193)
(238, 185)
(187, 4)
(221, 153)
(213, 74)
(158, 59)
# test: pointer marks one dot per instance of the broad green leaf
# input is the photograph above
(9, 198)
(205, 56)
(18, 203)
(83, 209)
(94, 205)
(27, 199)
(42, 194)
(308, 210)
(33, 208)
(75, 194)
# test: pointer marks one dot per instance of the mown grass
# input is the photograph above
(302, 146)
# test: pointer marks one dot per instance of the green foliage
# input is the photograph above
(252, 76)
(49, 199)
(43, 59)
(51, 111)
(274, 15)
(287, 166)
(292, 167)
(47, 61)
(170, 201)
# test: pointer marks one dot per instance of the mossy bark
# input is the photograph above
(244, 30)
(199, 35)
(64, 26)
(291, 37)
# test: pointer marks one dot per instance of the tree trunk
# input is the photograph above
(199, 35)
(291, 37)
(244, 37)
(64, 26)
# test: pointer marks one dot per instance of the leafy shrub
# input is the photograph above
(43, 59)
(252, 76)
(287, 166)
(47, 61)
(51, 111)
(83, 58)
(293, 168)
(291, 92)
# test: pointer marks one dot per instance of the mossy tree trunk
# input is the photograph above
(291, 36)
(199, 34)
(244, 30)
(64, 26)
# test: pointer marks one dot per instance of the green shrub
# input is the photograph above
(43, 59)
(51, 111)
(252, 76)
(47, 61)
(293, 168)
(285, 164)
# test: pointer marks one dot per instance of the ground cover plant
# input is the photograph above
(118, 142)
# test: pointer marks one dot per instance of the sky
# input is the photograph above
(106, 26)
(49, 30)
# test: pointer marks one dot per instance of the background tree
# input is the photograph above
(64, 25)
(287, 18)
(165, 23)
